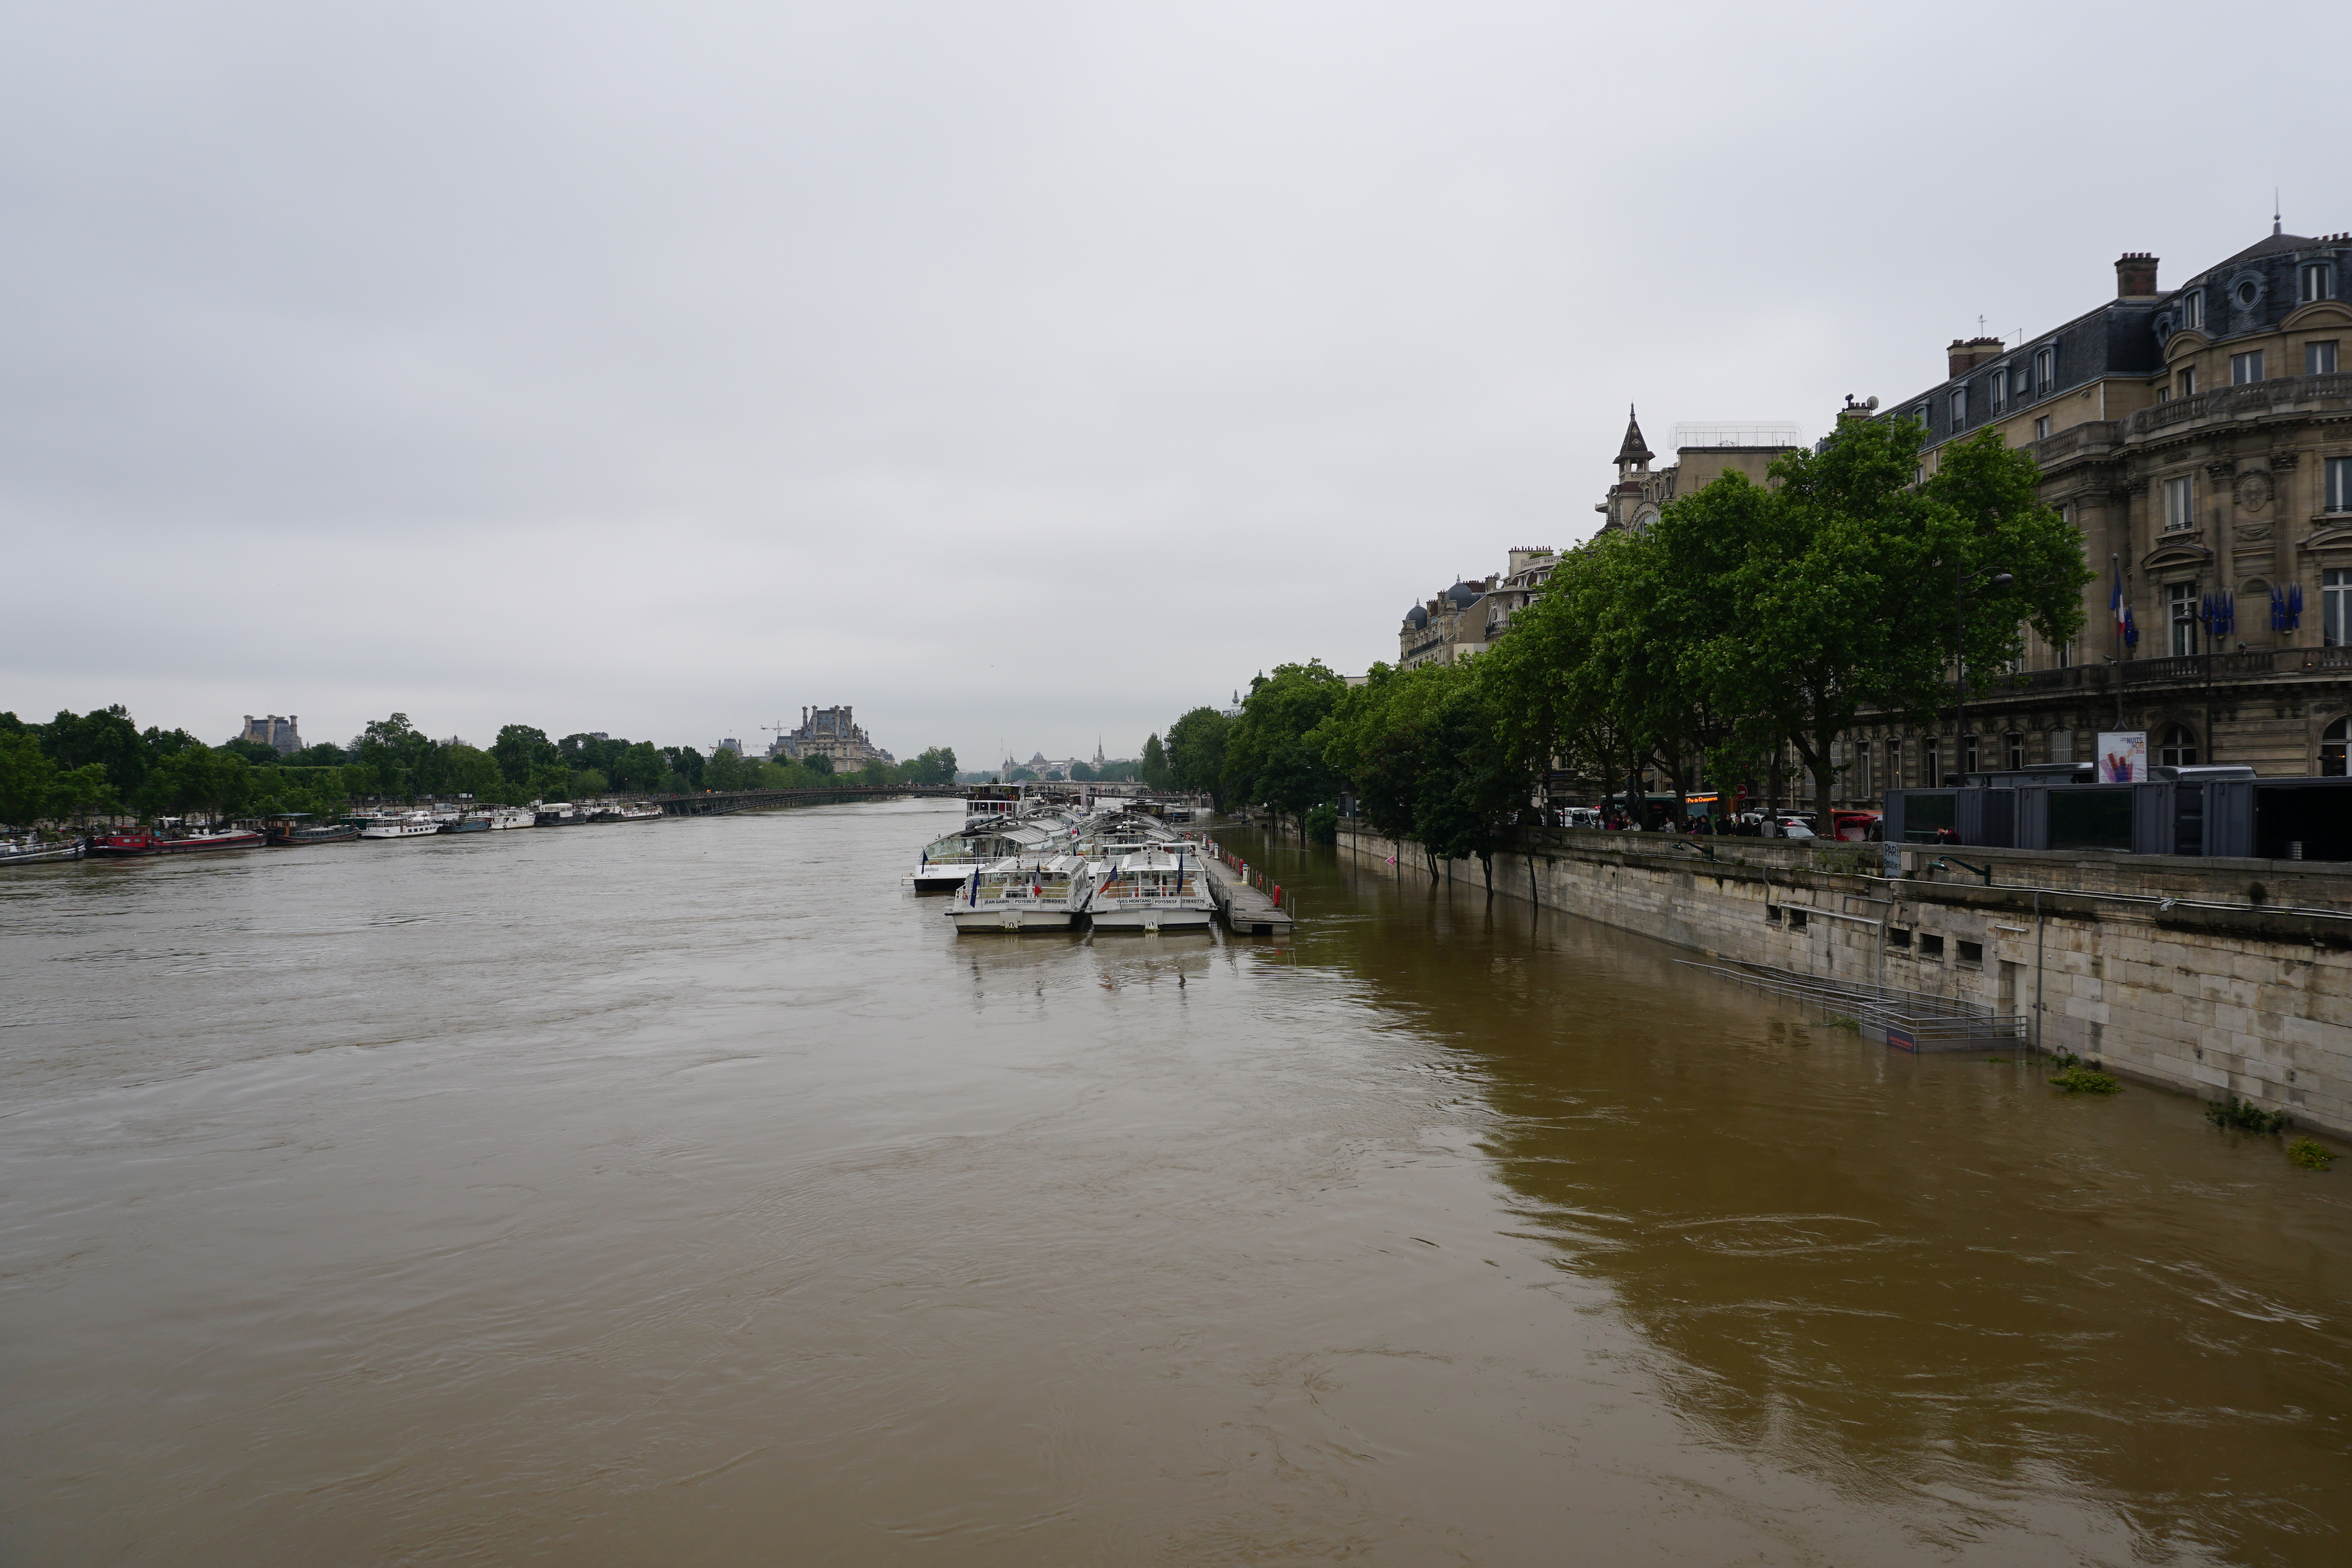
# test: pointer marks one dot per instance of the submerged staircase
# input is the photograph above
(1907, 1020)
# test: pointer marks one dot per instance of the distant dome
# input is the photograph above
(1463, 595)
(1417, 617)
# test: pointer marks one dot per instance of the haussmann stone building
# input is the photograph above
(2200, 437)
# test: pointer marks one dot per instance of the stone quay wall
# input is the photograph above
(2212, 977)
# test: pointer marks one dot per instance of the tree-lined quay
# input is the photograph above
(1748, 623)
(81, 767)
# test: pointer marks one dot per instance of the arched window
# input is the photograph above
(2178, 748)
(2335, 744)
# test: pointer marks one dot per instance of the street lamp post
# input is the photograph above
(1962, 580)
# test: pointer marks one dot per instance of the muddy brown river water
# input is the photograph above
(690, 1193)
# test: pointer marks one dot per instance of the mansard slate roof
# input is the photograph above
(1465, 594)
(2126, 336)
(1417, 617)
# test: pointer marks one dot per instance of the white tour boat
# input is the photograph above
(1020, 895)
(1159, 888)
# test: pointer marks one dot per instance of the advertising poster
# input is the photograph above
(2123, 756)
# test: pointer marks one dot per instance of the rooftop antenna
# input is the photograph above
(2277, 221)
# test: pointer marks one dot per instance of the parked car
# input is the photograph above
(1797, 828)
(1856, 827)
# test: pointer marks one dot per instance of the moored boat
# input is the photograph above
(1153, 889)
(292, 830)
(1023, 895)
(625, 812)
(558, 814)
(33, 851)
(210, 839)
(398, 825)
(946, 863)
(502, 818)
(119, 843)
(469, 823)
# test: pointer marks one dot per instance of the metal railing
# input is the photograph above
(2191, 668)
(1909, 1020)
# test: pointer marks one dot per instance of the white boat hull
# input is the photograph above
(1178, 918)
(1014, 920)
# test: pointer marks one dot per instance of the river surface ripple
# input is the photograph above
(692, 1194)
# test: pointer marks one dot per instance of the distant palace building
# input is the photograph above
(828, 732)
(273, 730)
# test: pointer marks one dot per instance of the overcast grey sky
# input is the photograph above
(1016, 372)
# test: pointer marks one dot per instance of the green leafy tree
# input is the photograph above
(1269, 760)
(1081, 773)
(1019, 776)
(1429, 761)
(396, 753)
(103, 735)
(1196, 752)
(1154, 771)
(1849, 575)
(326, 754)
(936, 765)
(256, 753)
(520, 749)
(82, 793)
(640, 767)
(470, 770)
(198, 780)
(730, 770)
(28, 780)
(818, 764)
(686, 763)
(588, 781)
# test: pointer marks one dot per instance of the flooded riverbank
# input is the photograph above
(704, 1198)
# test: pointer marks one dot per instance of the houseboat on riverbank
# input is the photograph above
(399, 825)
(34, 850)
(294, 830)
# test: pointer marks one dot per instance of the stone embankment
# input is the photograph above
(2212, 976)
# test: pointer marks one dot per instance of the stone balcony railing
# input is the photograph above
(2240, 404)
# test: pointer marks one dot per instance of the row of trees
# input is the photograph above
(78, 766)
(1749, 623)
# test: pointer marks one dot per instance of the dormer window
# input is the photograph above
(1999, 388)
(2192, 311)
(2315, 281)
(2046, 369)
(1960, 407)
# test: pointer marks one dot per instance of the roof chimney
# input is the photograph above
(2135, 275)
(1967, 356)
